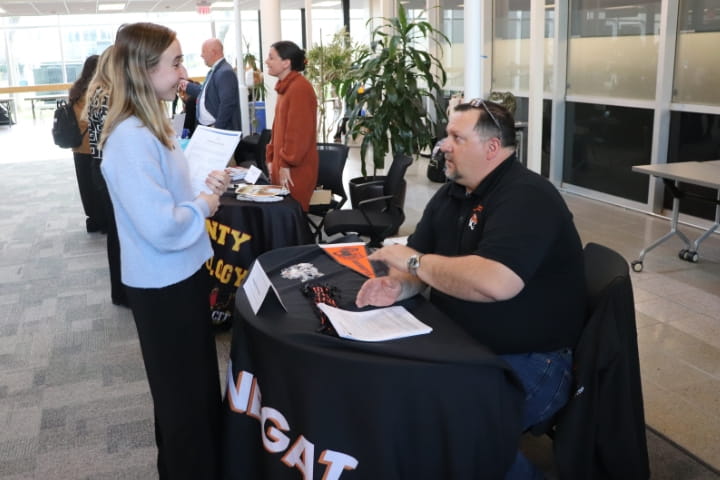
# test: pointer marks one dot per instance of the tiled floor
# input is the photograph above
(66, 350)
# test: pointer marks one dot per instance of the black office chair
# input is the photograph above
(369, 220)
(600, 433)
(332, 158)
(260, 151)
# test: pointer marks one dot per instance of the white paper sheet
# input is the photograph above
(237, 173)
(178, 123)
(374, 325)
(209, 149)
(253, 174)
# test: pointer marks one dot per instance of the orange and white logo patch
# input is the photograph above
(472, 223)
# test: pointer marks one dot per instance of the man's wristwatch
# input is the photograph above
(413, 263)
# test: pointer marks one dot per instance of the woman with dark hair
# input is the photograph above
(291, 155)
(92, 206)
(98, 98)
(164, 246)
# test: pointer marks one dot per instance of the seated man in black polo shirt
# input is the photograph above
(499, 249)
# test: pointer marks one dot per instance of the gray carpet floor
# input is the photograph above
(74, 400)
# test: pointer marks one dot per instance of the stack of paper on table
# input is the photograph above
(237, 173)
(260, 193)
(374, 325)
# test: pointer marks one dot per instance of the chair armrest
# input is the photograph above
(340, 202)
(365, 202)
(371, 182)
(362, 204)
(368, 184)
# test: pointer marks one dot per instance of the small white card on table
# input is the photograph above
(256, 287)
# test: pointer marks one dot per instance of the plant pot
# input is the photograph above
(363, 188)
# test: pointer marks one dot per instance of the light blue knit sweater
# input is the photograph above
(161, 226)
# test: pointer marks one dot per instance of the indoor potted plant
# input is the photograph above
(390, 87)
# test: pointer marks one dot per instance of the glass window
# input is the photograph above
(521, 116)
(511, 45)
(416, 11)
(192, 36)
(697, 58)
(453, 54)
(613, 48)
(602, 143)
(37, 53)
(250, 30)
(359, 13)
(291, 26)
(326, 22)
(78, 43)
(694, 137)
(4, 63)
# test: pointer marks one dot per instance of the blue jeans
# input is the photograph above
(547, 379)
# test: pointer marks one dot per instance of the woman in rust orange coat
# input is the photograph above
(291, 155)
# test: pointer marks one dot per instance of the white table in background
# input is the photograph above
(704, 174)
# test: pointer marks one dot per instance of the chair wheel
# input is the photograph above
(688, 255)
(637, 266)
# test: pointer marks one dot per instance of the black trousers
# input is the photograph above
(91, 202)
(178, 349)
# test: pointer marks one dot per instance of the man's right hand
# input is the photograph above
(379, 292)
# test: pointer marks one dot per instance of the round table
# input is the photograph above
(432, 406)
(239, 232)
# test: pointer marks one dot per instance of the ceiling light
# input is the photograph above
(110, 7)
(327, 3)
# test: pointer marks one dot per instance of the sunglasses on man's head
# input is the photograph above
(480, 103)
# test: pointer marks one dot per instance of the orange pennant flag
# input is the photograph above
(351, 255)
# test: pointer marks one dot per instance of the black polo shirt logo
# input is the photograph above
(472, 223)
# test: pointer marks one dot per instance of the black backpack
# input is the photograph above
(436, 165)
(65, 130)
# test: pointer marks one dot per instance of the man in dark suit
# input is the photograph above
(218, 97)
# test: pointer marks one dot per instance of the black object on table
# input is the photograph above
(239, 232)
(432, 406)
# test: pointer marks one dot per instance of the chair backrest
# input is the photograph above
(395, 180)
(332, 158)
(600, 433)
(602, 267)
(261, 147)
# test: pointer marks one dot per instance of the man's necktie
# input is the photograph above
(207, 77)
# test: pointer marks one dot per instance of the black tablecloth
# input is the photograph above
(436, 406)
(239, 232)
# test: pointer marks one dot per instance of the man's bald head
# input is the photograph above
(212, 51)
